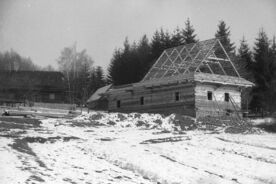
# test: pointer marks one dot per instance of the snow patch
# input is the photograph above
(172, 122)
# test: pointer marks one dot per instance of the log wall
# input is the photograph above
(156, 100)
(217, 106)
(193, 99)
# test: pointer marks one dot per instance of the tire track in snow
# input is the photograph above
(248, 144)
(236, 151)
(167, 154)
(115, 170)
(247, 156)
(193, 167)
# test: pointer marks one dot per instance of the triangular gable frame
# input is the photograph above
(194, 61)
(207, 65)
(218, 63)
(218, 60)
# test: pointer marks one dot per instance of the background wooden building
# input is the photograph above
(197, 79)
(31, 86)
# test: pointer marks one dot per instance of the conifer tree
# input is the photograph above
(272, 93)
(145, 56)
(188, 33)
(156, 45)
(165, 39)
(244, 60)
(243, 63)
(273, 46)
(177, 37)
(263, 74)
(223, 34)
(273, 54)
(100, 76)
(96, 79)
(126, 65)
(126, 46)
(114, 68)
(160, 41)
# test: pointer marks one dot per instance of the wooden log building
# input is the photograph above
(31, 86)
(197, 79)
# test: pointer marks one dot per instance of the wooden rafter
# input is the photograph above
(180, 61)
(188, 67)
(207, 65)
(229, 60)
(217, 59)
(210, 68)
(207, 54)
(219, 64)
(222, 68)
(153, 65)
(172, 68)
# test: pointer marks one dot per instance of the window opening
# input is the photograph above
(176, 96)
(226, 97)
(142, 100)
(118, 103)
(210, 95)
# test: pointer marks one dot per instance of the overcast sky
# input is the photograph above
(40, 29)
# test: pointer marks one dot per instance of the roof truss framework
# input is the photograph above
(207, 56)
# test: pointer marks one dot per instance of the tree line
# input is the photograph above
(130, 63)
(82, 78)
(11, 60)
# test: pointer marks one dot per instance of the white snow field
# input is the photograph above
(101, 148)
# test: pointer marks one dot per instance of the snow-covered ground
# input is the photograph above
(137, 148)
